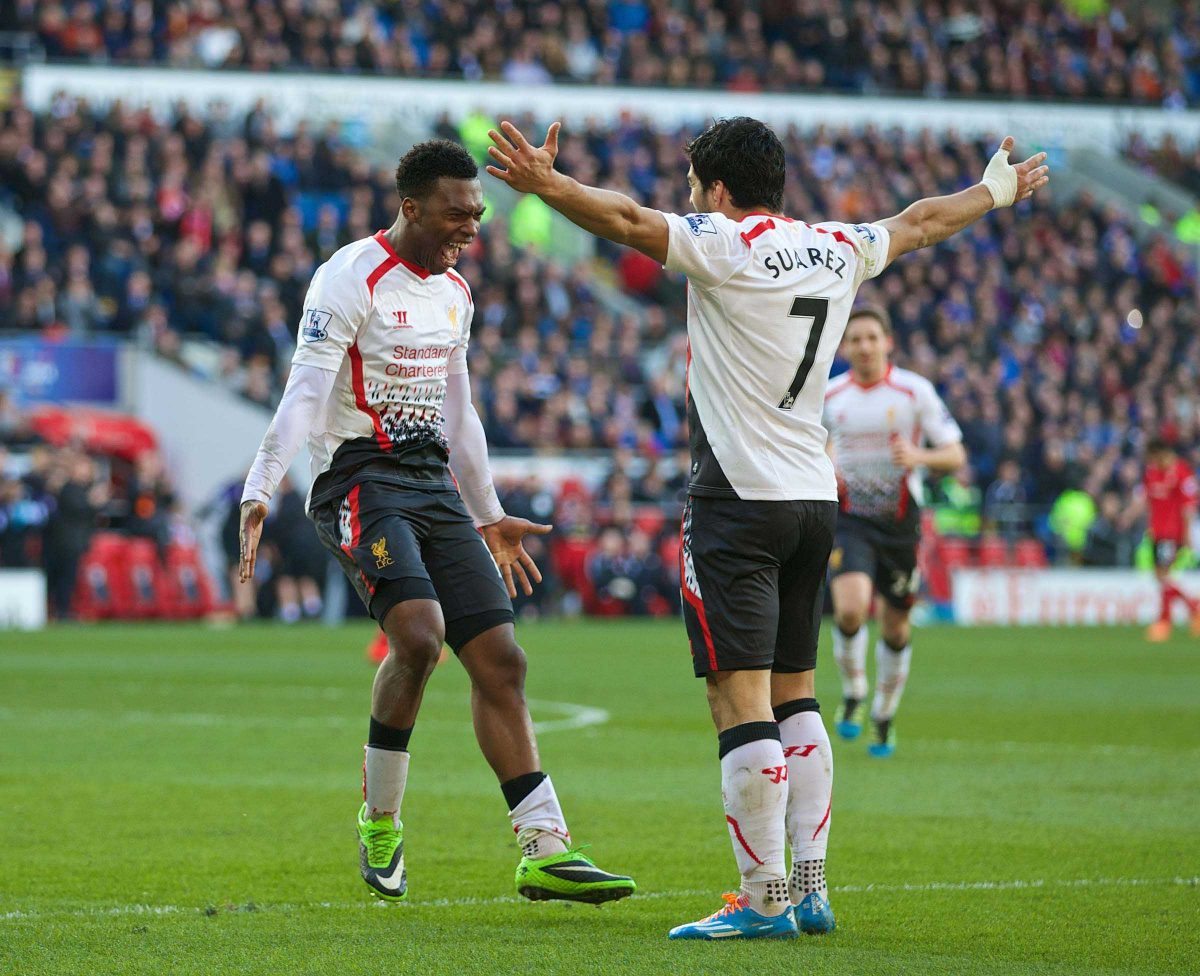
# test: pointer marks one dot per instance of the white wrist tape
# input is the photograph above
(1001, 180)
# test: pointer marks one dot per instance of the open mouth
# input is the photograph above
(451, 250)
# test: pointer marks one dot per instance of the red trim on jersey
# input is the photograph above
(687, 376)
(737, 832)
(908, 391)
(395, 259)
(905, 497)
(824, 819)
(786, 220)
(360, 398)
(830, 394)
(461, 282)
(757, 229)
(836, 234)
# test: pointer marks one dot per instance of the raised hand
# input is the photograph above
(526, 168)
(249, 534)
(503, 540)
(1010, 184)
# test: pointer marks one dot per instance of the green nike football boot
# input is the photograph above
(570, 876)
(381, 857)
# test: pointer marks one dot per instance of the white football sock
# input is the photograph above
(810, 800)
(754, 788)
(850, 653)
(539, 823)
(891, 674)
(384, 774)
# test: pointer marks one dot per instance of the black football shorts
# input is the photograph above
(400, 544)
(752, 578)
(889, 559)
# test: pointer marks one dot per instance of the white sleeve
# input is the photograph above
(304, 397)
(468, 452)
(335, 306)
(458, 355)
(708, 248)
(870, 243)
(938, 427)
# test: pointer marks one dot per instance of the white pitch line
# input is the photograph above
(366, 905)
(575, 717)
(578, 716)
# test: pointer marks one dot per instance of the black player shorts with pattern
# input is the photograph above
(397, 544)
(752, 578)
(890, 559)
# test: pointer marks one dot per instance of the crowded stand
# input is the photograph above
(1073, 343)
(1142, 53)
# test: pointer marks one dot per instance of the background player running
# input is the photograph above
(379, 387)
(767, 304)
(878, 416)
(1170, 491)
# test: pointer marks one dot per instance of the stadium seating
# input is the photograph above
(1067, 50)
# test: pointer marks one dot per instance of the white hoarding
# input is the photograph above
(1060, 596)
(22, 599)
(315, 96)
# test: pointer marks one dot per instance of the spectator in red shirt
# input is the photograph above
(1171, 492)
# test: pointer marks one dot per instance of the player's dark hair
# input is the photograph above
(1157, 445)
(876, 312)
(427, 162)
(746, 156)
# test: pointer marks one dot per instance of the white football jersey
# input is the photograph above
(768, 301)
(392, 332)
(862, 420)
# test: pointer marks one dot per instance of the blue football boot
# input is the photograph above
(814, 916)
(737, 920)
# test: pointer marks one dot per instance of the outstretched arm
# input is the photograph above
(605, 213)
(469, 463)
(934, 219)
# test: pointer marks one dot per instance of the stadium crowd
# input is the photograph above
(1075, 49)
(1058, 338)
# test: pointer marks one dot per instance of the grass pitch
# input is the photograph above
(181, 800)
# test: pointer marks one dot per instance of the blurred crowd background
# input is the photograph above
(1061, 336)
(1080, 49)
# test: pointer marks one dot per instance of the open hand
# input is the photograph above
(527, 168)
(249, 534)
(503, 540)
(1010, 184)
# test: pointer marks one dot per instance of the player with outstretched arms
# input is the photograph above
(379, 388)
(1170, 491)
(885, 424)
(768, 300)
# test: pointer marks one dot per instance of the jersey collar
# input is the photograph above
(887, 374)
(381, 239)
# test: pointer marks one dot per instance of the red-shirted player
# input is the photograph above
(1171, 492)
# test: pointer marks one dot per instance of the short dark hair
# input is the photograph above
(423, 165)
(1158, 445)
(876, 312)
(746, 156)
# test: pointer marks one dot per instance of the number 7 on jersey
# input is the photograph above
(806, 308)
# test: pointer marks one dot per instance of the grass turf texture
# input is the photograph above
(182, 799)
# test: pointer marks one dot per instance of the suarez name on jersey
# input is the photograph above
(392, 332)
(768, 301)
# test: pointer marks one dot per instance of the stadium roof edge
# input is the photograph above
(296, 96)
